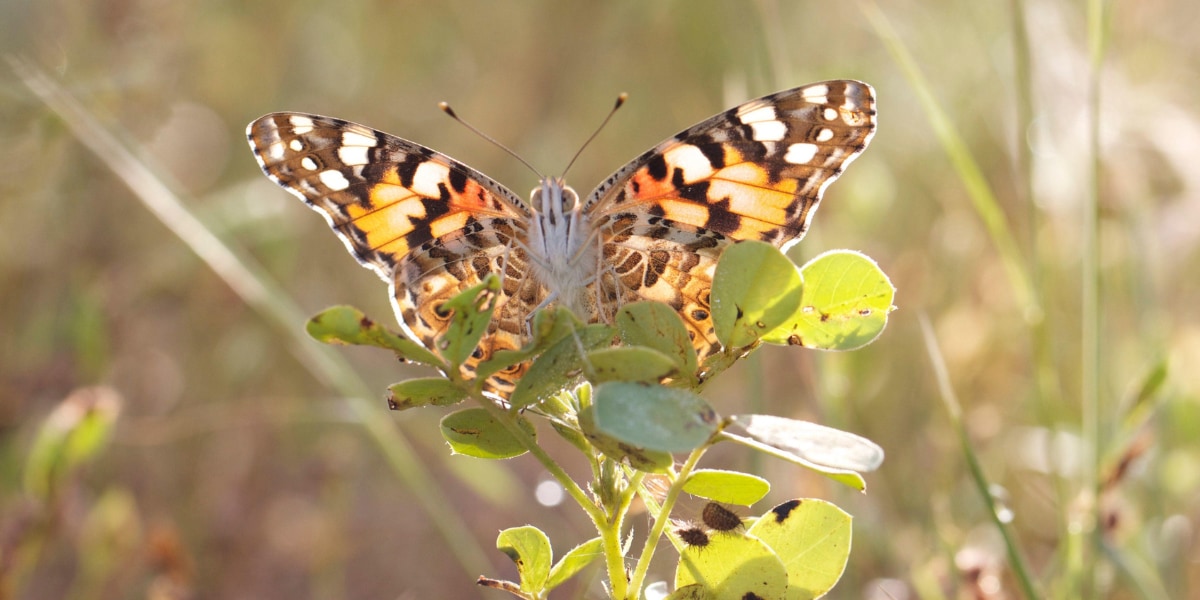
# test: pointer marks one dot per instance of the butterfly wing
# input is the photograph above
(754, 172)
(427, 224)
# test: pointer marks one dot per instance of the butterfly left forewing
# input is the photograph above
(754, 172)
(427, 224)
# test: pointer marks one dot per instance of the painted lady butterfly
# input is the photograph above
(431, 226)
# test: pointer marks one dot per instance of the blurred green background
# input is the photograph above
(235, 470)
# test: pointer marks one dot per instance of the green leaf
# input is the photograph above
(549, 326)
(730, 487)
(579, 557)
(732, 567)
(718, 362)
(650, 461)
(817, 444)
(474, 432)
(653, 417)
(1141, 405)
(560, 366)
(470, 312)
(562, 410)
(812, 538)
(530, 549)
(348, 325)
(755, 289)
(656, 325)
(845, 304)
(572, 436)
(74, 433)
(805, 443)
(629, 363)
(694, 591)
(424, 391)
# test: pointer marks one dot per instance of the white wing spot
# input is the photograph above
(768, 131)
(689, 158)
(275, 151)
(308, 164)
(817, 94)
(427, 177)
(752, 114)
(334, 180)
(353, 138)
(304, 188)
(800, 154)
(296, 145)
(824, 135)
(300, 125)
(353, 155)
(831, 114)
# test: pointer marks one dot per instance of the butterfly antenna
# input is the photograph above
(453, 115)
(621, 98)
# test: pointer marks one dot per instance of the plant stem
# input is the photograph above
(660, 522)
(609, 529)
(954, 409)
(506, 419)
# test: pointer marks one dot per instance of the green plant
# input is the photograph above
(625, 394)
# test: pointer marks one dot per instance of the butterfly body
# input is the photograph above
(561, 244)
(431, 226)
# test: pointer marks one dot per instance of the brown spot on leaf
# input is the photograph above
(783, 510)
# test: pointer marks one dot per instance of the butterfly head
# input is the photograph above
(554, 200)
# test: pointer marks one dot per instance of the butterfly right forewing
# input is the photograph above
(754, 172)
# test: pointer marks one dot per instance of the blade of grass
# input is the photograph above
(954, 411)
(1091, 410)
(969, 172)
(257, 289)
(1142, 578)
(1046, 391)
(1022, 80)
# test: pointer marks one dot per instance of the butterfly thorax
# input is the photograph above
(562, 260)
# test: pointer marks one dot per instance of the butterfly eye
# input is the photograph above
(570, 199)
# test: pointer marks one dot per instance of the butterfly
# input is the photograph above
(431, 226)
